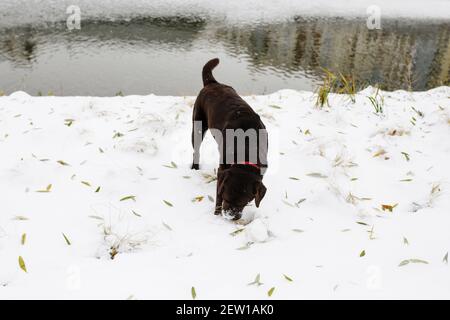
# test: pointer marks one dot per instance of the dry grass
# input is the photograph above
(335, 83)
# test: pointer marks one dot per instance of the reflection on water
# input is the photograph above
(165, 55)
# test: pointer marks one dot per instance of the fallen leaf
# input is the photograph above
(96, 217)
(403, 263)
(128, 198)
(317, 175)
(172, 165)
(20, 218)
(287, 203)
(86, 183)
(67, 239)
(406, 156)
(118, 135)
(388, 207)
(247, 246)
(288, 278)
(22, 264)
(408, 261)
(379, 153)
(405, 241)
(257, 281)
(167, 226)
(135, 213)
(48, 189)
(168, 203)
(418, 261)
(198, 199)
(235, 232)
(299, 202)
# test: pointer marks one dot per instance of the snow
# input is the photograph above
(13, 12)
(321, 222)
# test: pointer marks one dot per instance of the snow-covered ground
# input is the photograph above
(83, 179)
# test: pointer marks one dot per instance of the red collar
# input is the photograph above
(248, 163)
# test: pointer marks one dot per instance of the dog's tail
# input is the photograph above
(208, 78)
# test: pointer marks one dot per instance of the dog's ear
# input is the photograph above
(260, 193)
(221, 180)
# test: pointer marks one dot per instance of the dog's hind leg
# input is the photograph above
(199, 128)
(219, 199)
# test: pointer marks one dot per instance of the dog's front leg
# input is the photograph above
(219, 200)
(199, 127)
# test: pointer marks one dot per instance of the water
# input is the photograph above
(164, 55)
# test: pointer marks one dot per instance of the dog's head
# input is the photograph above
(238, 187)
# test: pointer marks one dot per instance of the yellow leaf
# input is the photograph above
(197, 199)
(379, 153)
(48, 189)
(387, 207)
(22, 264)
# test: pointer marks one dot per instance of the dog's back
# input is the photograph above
(222, 106)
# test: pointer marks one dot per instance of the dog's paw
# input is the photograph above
(195, 166)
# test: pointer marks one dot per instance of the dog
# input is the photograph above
(239, 177)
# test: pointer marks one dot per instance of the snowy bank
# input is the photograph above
(357, 203)
(13, 12)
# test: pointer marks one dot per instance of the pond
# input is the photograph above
(164, 55)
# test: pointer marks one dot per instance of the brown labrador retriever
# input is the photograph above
(242, 140)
